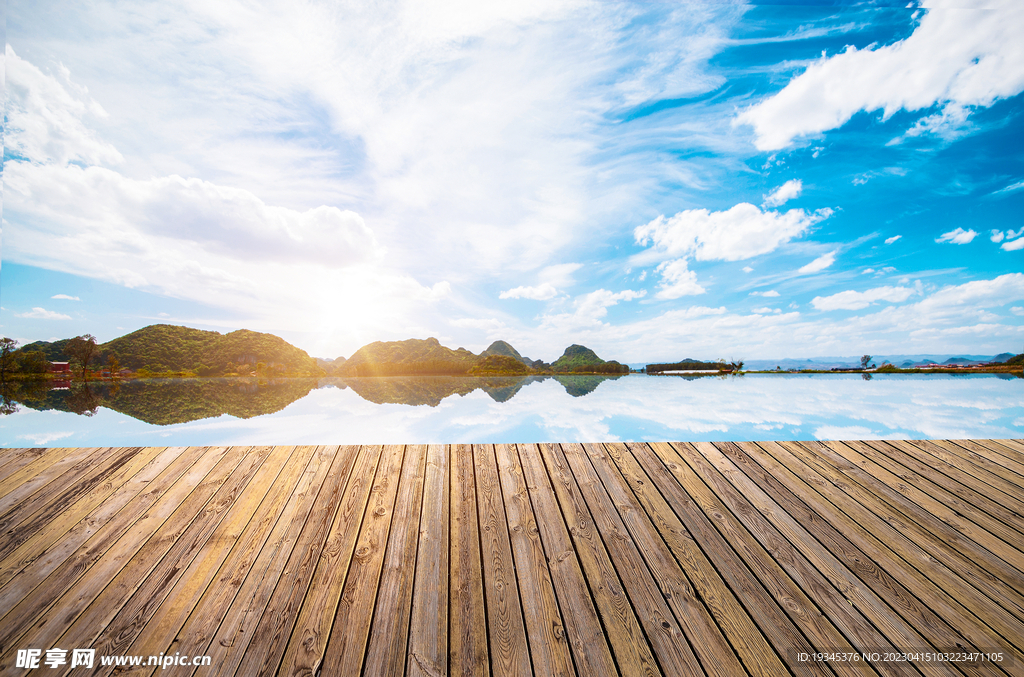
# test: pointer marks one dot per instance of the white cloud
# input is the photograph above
(957, 58)
(65, 297)
(819, 264)
(771, 293)
(1013, 246)
(43, 439)
(890, 240)
(747, 269)
(677, 280)
(1009, 189)
(742, 232)
(1017, 310)
(45, 117)
(589, 310)
(855, 300)
(867, 271)
(997, 236)
(43, 314)
(784, 193)
(958, 236)
(542, 292)
(765, 311)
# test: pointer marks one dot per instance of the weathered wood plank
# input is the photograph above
(836, 592)
(976, 589)
(894, 552)
(15, 459)
(305, 650)
(1005, 491)
(964, 487)
(269, 640)
(346, 645)
(1013, 449)
(119, 614)
(467, 635)
(212, 608)
(590, 650)
(428, 631)
(105, 495)
(228, 643)
(632, 652)
(673, 652)
(1003, 463)
(389, 633)
(819, 523)
(681, 518)
(24, 499)
(643, 498)
(166, 619)
(120, 554)
(549, 650)
(696, 621)
(510, 654)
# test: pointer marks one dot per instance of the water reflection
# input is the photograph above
(512, 409)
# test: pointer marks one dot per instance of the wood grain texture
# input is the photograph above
(731, 558)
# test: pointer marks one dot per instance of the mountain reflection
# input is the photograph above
(173, 401)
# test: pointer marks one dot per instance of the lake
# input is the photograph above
(247, 411)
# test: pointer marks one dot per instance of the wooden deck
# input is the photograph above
(722, 559)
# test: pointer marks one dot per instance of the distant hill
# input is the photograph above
(1001, 357)
(169, 348)
(578, 358)
(409, 357)
(1018, 359)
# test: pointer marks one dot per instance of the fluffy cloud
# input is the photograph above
(958, 236)
(855, 300)
(890, 240)
(784, 193)
(43, 314)
(741, 232)
(771, 293)
(819, 264)
(45, 116)
(958, 58)
(1014, 245)
(589, 310)
(65, 297)
(677, 280)
(542, 292)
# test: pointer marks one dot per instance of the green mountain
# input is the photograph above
(410, 357)
(577, 358)
(168, 348)
(1019, 359)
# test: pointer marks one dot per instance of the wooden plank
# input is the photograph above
(195, 634)
(346, 645)
(667, 639)
(835, 590)
(980, 547)
(757, 655)
(55, 505)
(1003, 464)
(428, 632)
(977, 589)
(963, 486)
(590, 650)
(227, 643)
(467, 634)
(510, 653)
(629, 644)
(965, 519)
(269, 640)
(894, 552)
(389, 633)
(21, 472)
(305, 651)
(820, 524)
(986, 471)
(675, 585)
(104, 495)
(1010, 448)
(21, 501)
(680, 518)
(549, 651)
(122, 545)
(166, 620)
(15, 459)
(114, 619)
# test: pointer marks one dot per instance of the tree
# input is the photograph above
(114, 365)
(82, 349)
(865, 361)
(7, 348)
(33, 362)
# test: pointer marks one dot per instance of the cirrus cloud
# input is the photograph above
(43, 314)
(856, 300)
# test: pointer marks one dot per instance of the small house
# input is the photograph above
(60, 367)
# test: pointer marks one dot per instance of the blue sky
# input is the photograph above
(655, 181)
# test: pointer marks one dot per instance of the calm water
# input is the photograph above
(531, 409)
